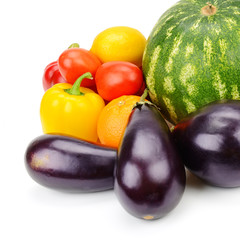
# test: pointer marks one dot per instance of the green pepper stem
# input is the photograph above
(74, 45)
(75, 90)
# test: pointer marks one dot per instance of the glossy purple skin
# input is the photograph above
(70, 164)
(150, 178)
(209, 143)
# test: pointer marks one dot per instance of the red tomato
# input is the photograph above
(51, 76)
(117, 78)
(74, 62)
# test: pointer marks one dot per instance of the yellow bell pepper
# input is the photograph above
(71, 110)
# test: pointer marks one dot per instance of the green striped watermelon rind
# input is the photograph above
(191, 59)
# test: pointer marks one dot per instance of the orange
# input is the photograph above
(114, 118)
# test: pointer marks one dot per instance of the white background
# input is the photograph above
(33, 34)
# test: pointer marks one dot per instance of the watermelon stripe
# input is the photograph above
(190, 107)
(219, 85)
(169, 65)
(223, 48)
(235, 92)
(236, 12)
(187, 72)
(168, 85)
(230, 23)
(170, 107)
(189, 50)
(196, 24)
(150, 75)
(177, 41)
(208, 51)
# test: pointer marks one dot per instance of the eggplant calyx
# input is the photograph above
(140, 104)
(143, 101)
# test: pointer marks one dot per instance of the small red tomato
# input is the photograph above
(117, 78)
(74, 62)
(51, 76)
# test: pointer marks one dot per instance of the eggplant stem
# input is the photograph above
(143, 100)
(144, 95)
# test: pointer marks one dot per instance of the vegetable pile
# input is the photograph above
(101, 131)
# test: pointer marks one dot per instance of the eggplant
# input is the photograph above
(150, 178)
(67, 163)
(209, 143)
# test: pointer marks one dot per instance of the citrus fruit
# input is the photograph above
(114, 118)
(119, 44)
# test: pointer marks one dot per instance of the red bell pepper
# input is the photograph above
(52, 76)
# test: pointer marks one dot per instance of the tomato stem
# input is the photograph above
(74, 45)
(75, 90)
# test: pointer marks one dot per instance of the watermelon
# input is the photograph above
(192, 56)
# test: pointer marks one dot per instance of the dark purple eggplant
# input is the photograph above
(70, 164)
(209, 143)
(150, 178)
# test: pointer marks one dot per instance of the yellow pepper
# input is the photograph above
(71, 110)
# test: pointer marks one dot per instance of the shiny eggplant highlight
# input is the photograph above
(70, 164)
